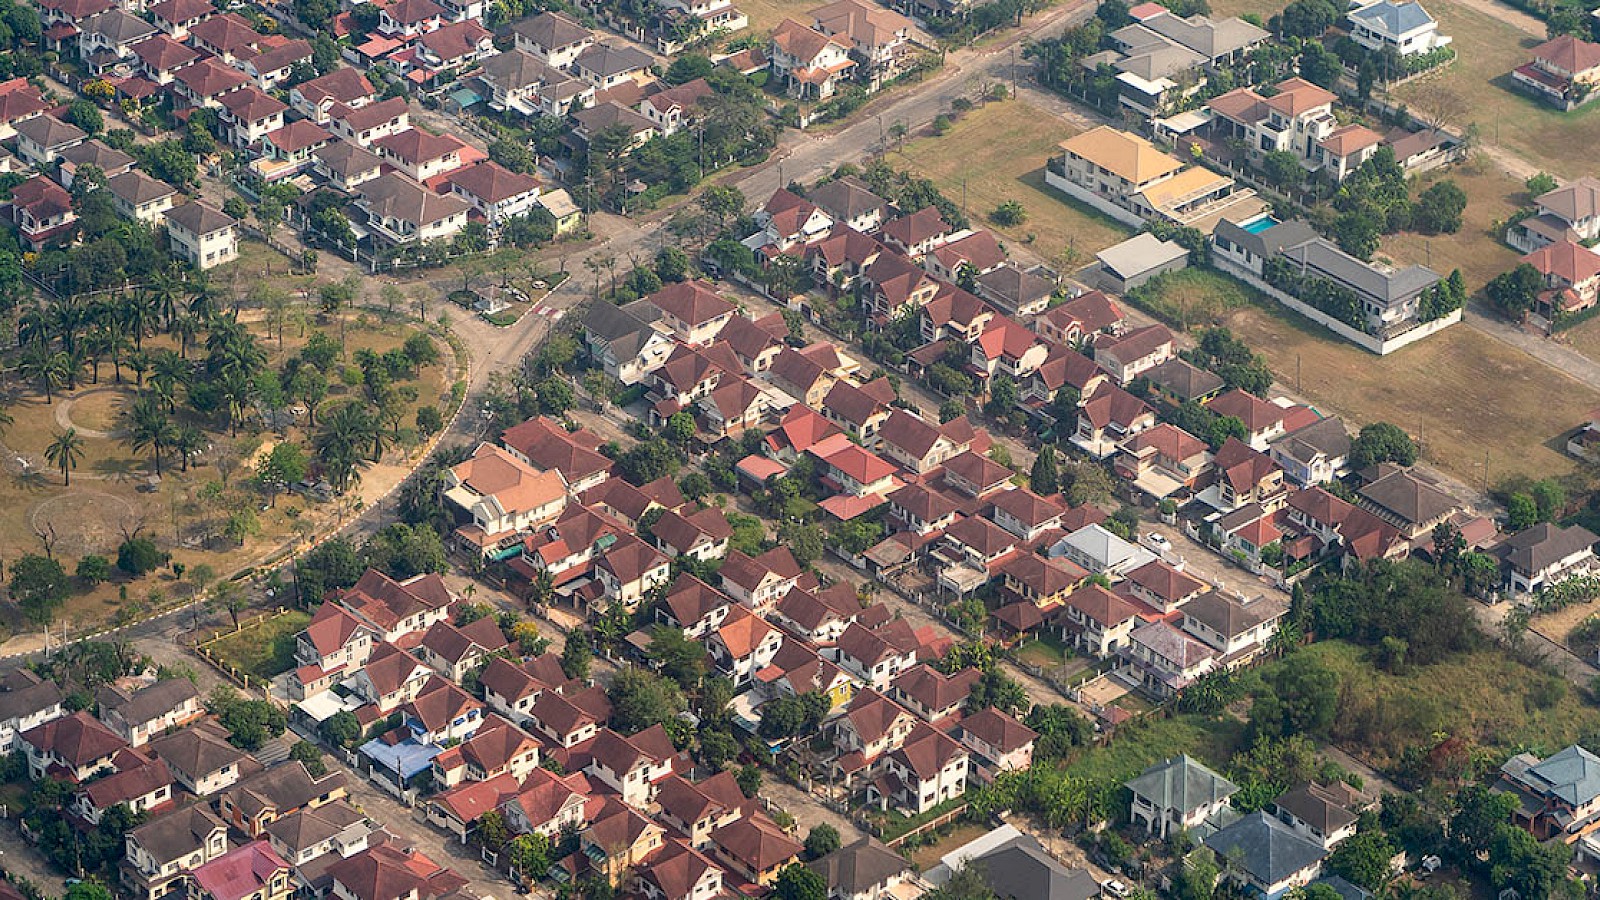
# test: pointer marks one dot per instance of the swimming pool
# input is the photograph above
(1256, 226)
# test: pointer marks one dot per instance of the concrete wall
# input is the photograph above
(1361, 339)
(1084, 195)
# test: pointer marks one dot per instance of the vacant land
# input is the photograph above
(264, 649)
(1266, 9)
(1461, 392)
(1484, 697)
(1013, 141)
(1194, 297)
(1151, 739)
(1493, 197)
(1476, 90)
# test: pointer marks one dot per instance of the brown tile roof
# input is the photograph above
(1101, 606)
(1164, 581)
(79, 739)
(998, 730)
(928, 750)
(1046, 577)
(1257, 414)
(694, 302)
(756, 842)
(934, 690)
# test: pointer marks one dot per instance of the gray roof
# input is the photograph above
(846, 198)
(1181, 783)
(1408, 498)
(344, 158)
(552, 30)
(857, 868)
(177, 834)
(609, 114)
(1014, 286)
(395, 195)
(611, 59)
(1322, 257)
(1020, 869)
(1140, 253)
(49, 131)
(1571, 776)
(1533, 549)
(1184, 379)
(309, 827)
(135, 187)
(198, 218)
(1577, 200)
(1326, 437)
(26, 700)
(197, 751)
(118, 27)
(1268, 242)
(1265, 849)
(1392, 18)
(515, 69)
(1228, 616)
(1209, 38)
(1311, 804)
(94, 153)
(1159, 61)
(623, 328)
(150, 702)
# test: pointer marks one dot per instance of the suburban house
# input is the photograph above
(1109, 418)
(1129, 355)
(201, 759)
(1407, 502)
(1096, 620)
(1263, 421)
(1163, 461)
(400, 211)
(1399, 25)
(629, 569)
(142, 714)
(1563, 71)
(879, 38)
(138, 196)
(500, 497)
(1043, 582)
(1165, 659)
(1162, 58)
(393, 609)
(345, 165)
(755, 848)
(1558, 796)
(1545, 555)
(26, 702)
(76, 747)
(1571, 212)
(998, 741)
(344, 86)
(203, 235)
(1268, 858)
(454, 650)
(1127, 177)
(40, 139)
(1237, 628)
(809, 64)
(159, 854)
(1571, 274)
(864, 869)
(1178, 794)
(257, 801)
(1315, 453)
(1318, 812)
(42, 212)
(928, 769)
(553, 38)
(254, 871)
(761, 581)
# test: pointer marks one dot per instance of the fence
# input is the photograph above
(932, 824)
(203, 648)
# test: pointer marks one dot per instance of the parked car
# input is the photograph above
(1115, 888)
(1158, 542)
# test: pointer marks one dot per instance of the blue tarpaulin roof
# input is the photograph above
(408, 757)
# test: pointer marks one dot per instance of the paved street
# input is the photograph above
(401, 821)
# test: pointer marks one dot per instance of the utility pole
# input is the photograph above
(1014, 71)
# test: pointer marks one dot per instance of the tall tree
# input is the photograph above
(64, 453)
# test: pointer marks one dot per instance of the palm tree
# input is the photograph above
(339, 443)
(50, 368)
(238, 389)
(138, 362)
(186, 328)
(137, 313)
(117, 347)
(64, 452)
(95, 346)
(68, 320)
(168, 372)
(6, 421)
(33, 326)
(188, 441)
(149, 427)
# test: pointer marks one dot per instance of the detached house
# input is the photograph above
(1132, 354)
(502, 497)
(1399, 25)
(203, 235)
(809, 64)
(201, 759)
(570, 720)
(495, 192)
(755, 848)
(159, 854)
(878, 656)
(138, 196)
(511, 689)
(1546, 555)
(1178, 794)
(393, 609)
(547, 804)
(1045, 583)
(75, 747)
(1263, 421)
(261, 799)
(251, 115)
(453, 650)
(630, 569)
(1563, 71)
(496, 750)
(363, 124)
(40, 139)
(917, 445)
(761, 581)
(421, 154)
(632, 766)
(141, 784)
(928, 769)
(1097, 620)
(1571, 274)
(26, 703)
(42, 212)
(342, 87)
(147, 712)
(1110, 418)
(176, 17)
(743, 645)
(553, 38)
(999, 742)
(1315, 453)
(1558, 796)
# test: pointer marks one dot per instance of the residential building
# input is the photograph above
(630, 569)
(497, 193)
(755, 848)
(141, 784)
(1558, 796)
(1545, 555)
(1097, 620)
(998, 742)
(201, 234)
(500, 497)
(454, 650)
(76, 748)
(928, 769)
(257, 801)
(1406, 501)
(1399, 25)
(40, 139)
(26, 702)
(1238, 629)
(42, 212)
(1269, 857)
(1313, 454)
(809, 64)
(345, 165)
(553, 38)
(1177, 794)
(1318, 812)
(344, 86)
(138, 196)
(1563, 71)
(201, 759)
(1570, 212)
(1115, 170)
(159, 854)
(1571, 274)
(139, 715)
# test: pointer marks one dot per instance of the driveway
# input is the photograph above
(400, 820)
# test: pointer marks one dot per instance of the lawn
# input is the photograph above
(1266, 9)
(1194, 297)
(263, 650)
(1493, 197)
(1477, 87)
(1461, 392)
(1013, 141)
(1151, 739)
(1484, 697)
(927, 856)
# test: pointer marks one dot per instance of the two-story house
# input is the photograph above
(159, 854)
(928, 769)
(511, 688)
(140, 715)
(257, 801)
(201, 759)
(1546, 554)
(1177, 794)
(76, 747)
(202, 234)
(501, 497)
(759, 582)
(633, 765)
(807, 63)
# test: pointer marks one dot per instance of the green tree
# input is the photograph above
(406, 550)
(310, 756)
(1514, 292)
(1044, 478)
(640, 699)
(998, 690)
(1521, 512)
(1382, 442)
(39, 586)
(1439, 209)
(1363, 859)
(1542, 183)
(804, 541)
(798, 881)
(749, 780)
(1009, 214)
(677, 657)
(1301, 698)
(821, 840)
(284, 464)
(139, 555)
(576, 654)
(342, 729)
(64, 453)
(93, 569)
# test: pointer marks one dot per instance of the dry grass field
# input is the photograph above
(997, 152)
(1477, 86)
(1492, 198)
(1463, 393)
